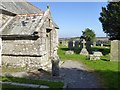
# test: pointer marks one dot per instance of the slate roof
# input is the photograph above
(19, 7)
(22, 25)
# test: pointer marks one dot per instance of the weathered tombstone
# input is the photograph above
(70, 45)
(81, 45)
(84, 50)
(94, 44)
(69, 52)
(115, 50)
(96, 55)
(101, 44)
(88, 47)
(73, 44)
(77, 44)
(55, 66)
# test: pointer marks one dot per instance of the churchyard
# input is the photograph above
(108, 71)
(27, 52)
(32, 58)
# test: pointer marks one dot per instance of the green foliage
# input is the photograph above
(110, 19)
(107, 70)
(88, 35)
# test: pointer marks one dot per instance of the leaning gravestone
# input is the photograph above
(115, 50)
(55, 66)
(70, 45)
(84, 50)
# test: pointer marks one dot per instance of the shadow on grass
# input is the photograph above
(111, 78)
(64, 49)
(104, 51)
(77, 78)
(105, 59)
(77, 50)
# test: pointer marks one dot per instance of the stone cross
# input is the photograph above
(84, 50)
(83, 43)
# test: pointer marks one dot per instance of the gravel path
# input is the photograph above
(77, 76)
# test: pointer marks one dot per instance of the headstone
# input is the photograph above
(94, 44)
(70, 45)
(77, 44)
(84, 50)
(69, 52)
(81, 45)
(88, 47)
(55, 66)
(115, 50)
(101, 44)
(96, 55)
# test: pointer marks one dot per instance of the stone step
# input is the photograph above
(25, 85)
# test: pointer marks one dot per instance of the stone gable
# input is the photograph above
(28, 40)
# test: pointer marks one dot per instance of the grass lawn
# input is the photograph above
(30, 81)
(107, 70)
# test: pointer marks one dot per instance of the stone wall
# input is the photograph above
(0, 51)
(26, 62)
(21, 47)
(115, 50)
(32, 50)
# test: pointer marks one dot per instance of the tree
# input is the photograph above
(88, 35)
(110, 19)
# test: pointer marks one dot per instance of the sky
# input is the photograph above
(74, 17)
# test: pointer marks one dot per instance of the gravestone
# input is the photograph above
(115, 50)
(84, 50)
(88, 47)
(55, 66)
(94, 44)
(96, 55)
(77, 44)
(81, 45)
(69, 52)
(70, 45)
(101, 44)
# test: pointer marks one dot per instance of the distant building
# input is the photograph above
(29, 35)
(102, 40)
